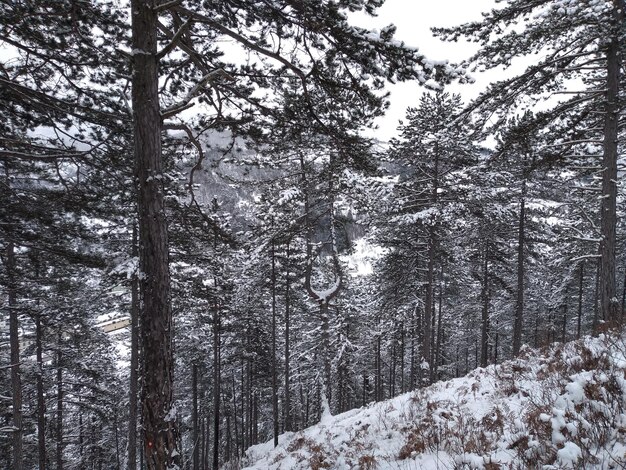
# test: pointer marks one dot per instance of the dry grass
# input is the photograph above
(367, 462)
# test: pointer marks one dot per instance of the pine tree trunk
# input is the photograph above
(564, 324)
(242, 402)
(596, 299)
(326, 351)
(216, 387)
(275, 416)
(207, 447)
(81, 437)
(160, 428)
(287, 340)
(255, 428)
(117, 441)
(519, 307)
(536, 334)
(608, 299)
(141, 455)
(16, 379)
(235, 424)
(622, 310)
(496, 343)
(439, 324)
(580, 299)
(365, 387)
(379, 372)
(41, 404)
(248, 387)
(227, 412)
(402, 352)
(484, 336)
(420, 342)
(134, 361)
(412, 364)
(476, 354)
(432, 243)
(59, 420)
(304, 407)
(194, 417)
(428, 310)
(203, 442)
(392, 367)
(412, 360)
(340, 387)
(466, 359)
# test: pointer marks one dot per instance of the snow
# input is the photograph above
(575, 391)
(326, 414)
(287, 196)
(569, 455)
(363, 254)
(171, 414)
(140, 52)
(324, 295)
(561, 407)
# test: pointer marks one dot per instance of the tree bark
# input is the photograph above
(580, 299)
(402, 352)
(428, 308)
(216, 386)
(412, 355)
(41, 403)
(227, 412)
(392, 366)
(287, 340)
(484, 336)
(330, 294)
(203, 442)
(134, 361)
(438, 344)
(326, 351)
(255, 427)
(622, 311)
(236, 439)
(496, 342)
(608, 298)
(159, 421)
(564, 324)
(194, 416)
(519, 306)
(59, 421)
(378, 386)
(160, 429)
(432, 242)
(16, 378)
(274, 362)
(117, 442)
(596, 299)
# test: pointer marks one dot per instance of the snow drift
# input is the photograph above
(560, 407)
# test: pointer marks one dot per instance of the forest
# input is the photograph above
(203, 246)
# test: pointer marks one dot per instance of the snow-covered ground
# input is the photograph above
(562, 407)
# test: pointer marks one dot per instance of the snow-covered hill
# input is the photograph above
(562, 407)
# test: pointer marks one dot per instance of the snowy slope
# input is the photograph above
(563, 407)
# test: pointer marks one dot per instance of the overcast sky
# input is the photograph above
(414, 19)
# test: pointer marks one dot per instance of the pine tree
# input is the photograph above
(580, 41)
(432, 147)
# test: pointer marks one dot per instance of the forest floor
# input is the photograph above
(563, 406)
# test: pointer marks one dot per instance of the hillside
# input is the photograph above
(560, 407)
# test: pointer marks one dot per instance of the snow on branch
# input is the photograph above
(174, 40)
(186, 102)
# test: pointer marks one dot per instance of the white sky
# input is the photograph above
(413, 19)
